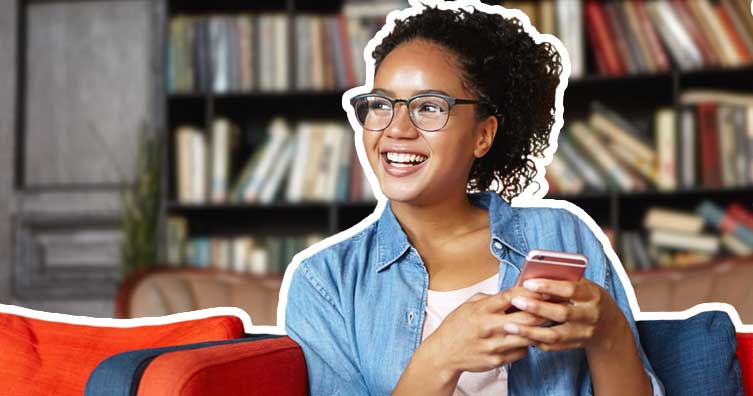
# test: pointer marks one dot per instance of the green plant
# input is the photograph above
(141, 207)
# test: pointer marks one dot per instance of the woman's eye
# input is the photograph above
(379, 106)
(430, 108)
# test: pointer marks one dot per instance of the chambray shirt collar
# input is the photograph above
(392, 242)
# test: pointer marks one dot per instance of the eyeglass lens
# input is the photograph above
(428, 113)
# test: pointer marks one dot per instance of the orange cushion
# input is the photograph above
(42, 357)
(264, 367)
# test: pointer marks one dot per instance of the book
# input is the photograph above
(279, 135)
(191, 165)
(673, 220)
(601, 156)
(236, 193)
(727, 142)
(602, 38)
(615, 127)
(734, 245)
(224, 143)
(666, 175)
(741, 214)
(565, 178)
(591, 176)
(271, 187)
(304, 132)
(711, 175)
(658, 52)
(704, 242)
(722, 221)
(687, 147)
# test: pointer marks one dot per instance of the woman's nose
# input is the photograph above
(401, 125)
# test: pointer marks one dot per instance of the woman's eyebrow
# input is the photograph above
(423, 91)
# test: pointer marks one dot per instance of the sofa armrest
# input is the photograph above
(120, 374)
(745, 356)
(274, 366)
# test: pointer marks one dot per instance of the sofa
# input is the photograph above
(215, 354)
(160, 291)
(163, 291)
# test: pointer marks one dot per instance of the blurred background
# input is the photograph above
(161, 156)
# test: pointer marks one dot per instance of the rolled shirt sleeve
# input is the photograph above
(313, 320)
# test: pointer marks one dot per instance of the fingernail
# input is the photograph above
(531, 285)
(520, 302)
(511, 328)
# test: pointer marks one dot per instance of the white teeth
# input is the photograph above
(405, 157)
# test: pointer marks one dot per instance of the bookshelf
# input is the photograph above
(637, 96)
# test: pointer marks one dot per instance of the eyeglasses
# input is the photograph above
(428, 112)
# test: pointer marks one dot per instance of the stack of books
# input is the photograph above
(705, 142)
(252, 52)
(563, 19)
(259, 255)
(308, 161)
(637, 36)
(677, 239)
(631, 37)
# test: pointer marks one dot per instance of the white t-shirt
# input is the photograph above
(438, 306)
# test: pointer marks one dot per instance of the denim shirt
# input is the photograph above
(357, 307)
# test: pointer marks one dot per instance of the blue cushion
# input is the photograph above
(695, 356)
(119, 375)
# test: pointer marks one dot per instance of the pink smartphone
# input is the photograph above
(549, 264)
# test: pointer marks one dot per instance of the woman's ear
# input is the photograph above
(485, 132)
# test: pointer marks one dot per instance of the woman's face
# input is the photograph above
(448, 154)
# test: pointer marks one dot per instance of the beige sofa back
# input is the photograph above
(168, 291)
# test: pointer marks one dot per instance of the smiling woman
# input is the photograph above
(414, 303)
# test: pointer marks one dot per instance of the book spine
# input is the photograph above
(707, 120)
(657, 50)
(739, 45)
(603, 38)
(665, 143)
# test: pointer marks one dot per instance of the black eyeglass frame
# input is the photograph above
(451, 102)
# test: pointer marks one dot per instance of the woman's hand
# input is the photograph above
(589, 320)
(472, 338)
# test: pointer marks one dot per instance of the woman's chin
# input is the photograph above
(401, 193)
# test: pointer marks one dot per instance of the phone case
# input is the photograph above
(551, 265)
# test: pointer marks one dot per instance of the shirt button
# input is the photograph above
(410, 317)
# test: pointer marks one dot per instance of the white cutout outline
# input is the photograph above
(526, 199)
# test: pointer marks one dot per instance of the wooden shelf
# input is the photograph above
(636, 96)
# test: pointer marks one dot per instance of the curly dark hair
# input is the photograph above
(503, 66)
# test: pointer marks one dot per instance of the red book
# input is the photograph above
(741, 214)
(657, 50)
(711, 175)
(603, 38)
(729, 27)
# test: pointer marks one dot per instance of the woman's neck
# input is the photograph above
(439, 222)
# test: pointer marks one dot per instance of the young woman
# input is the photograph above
(414, 304)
